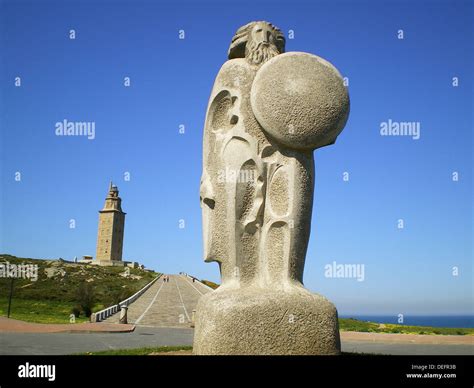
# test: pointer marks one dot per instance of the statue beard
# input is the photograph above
(258, 53)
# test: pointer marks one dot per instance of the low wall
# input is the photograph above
(109, 311)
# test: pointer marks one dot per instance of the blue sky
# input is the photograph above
(407, 270)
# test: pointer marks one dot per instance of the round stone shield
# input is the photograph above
(300, 100)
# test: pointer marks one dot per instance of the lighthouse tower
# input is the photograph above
(110, 233)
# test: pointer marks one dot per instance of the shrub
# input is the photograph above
(76, 310)
(118, 295)
(210, 284)
(85, 297)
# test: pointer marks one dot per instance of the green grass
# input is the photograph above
(350, 324)
(51, 299)
(210, 284)
(50, 311)
(166, 349)
(138, 351)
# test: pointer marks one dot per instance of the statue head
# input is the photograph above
(257, 42)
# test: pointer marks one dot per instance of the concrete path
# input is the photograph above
(406, 344)
(8, 325)
(419, 339)
(166, 304)
(406, 349)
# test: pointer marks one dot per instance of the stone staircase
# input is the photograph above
(166, 304)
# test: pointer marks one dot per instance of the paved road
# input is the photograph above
(63, 343)
(405, 349)
(73, 343)
(166, 304)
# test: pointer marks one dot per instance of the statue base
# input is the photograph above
(254, 321)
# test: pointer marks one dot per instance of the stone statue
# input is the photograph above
(267, 112)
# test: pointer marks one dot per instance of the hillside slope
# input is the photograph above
(52, 297)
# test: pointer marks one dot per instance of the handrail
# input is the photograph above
(195, 278)
(111, 310)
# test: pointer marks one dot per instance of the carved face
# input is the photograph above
(262, 44)
(207, 205)
(263, 33)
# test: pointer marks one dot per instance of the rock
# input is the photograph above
(52, 272)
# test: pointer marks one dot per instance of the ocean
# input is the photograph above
(458, 321)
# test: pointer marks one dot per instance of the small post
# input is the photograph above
(123, 315)
(10, 297)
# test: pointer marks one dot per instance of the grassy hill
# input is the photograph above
(351, 324)
(56, 292)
